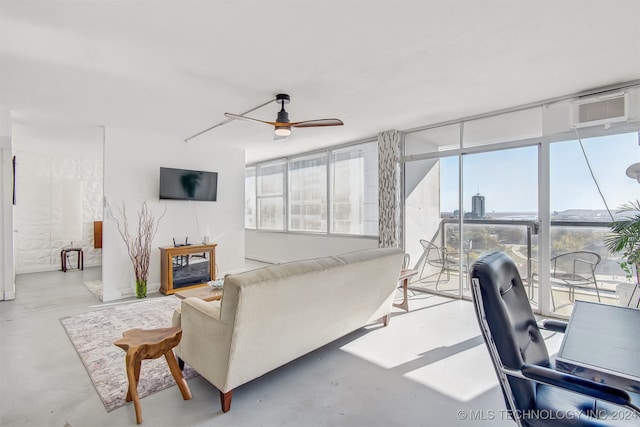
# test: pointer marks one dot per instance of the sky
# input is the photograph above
(508, 178)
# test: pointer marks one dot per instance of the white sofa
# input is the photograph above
(273, 315)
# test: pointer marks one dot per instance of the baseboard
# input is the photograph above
(38, 270)
(8, 295)
(131, 292)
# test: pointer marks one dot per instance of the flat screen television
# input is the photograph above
(185, 184)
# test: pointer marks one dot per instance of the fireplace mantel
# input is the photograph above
(186, 267)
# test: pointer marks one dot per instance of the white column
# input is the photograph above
(7, 282)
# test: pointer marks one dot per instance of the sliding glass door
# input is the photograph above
(529, 184)
(588, 185)
(432, 204)
(500, 205)
(430, 225)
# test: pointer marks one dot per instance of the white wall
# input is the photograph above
(276, 247)
(7, 282)
(54, 162)
(132, 166)
(7, 285)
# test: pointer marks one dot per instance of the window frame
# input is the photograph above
(332, 204)
(282, 194)
(324, 157)
(253, 198)
(327, 153)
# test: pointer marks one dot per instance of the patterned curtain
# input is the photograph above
(389, 189)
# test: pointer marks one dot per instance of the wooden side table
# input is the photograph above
(143, 344)
(405, 275)
(206, 293)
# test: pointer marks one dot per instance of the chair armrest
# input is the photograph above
(553, 325)
(591, 265)
(584, 261)
(575, 384)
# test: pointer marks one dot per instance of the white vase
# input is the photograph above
(628, 295)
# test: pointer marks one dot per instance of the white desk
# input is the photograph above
(602, 343)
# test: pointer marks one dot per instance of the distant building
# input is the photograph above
(477, 206)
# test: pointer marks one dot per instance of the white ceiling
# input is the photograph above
(175, 67)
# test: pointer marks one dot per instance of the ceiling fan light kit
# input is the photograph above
(282, 125)
(283, 116)
(283, 131)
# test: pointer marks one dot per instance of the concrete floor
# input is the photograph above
(428, 367)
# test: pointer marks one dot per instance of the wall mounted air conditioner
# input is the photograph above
(600, 109)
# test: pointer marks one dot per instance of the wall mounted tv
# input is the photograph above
(185, 184)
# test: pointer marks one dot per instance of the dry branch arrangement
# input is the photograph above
(139, 244)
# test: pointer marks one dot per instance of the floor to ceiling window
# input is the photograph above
(432, 202)
(495, 204)
(500, 205)
(523, 183)
(588, 185)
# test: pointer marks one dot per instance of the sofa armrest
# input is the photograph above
(177, 313)
(210, 309)
(206, 340)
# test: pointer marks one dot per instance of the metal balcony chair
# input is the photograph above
(574, 270)
(436, 261)
(535, 393)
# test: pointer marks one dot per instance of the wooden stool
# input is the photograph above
(143, 344)
(405, 275)
(63, 258)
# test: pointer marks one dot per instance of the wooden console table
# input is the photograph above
(183, 267)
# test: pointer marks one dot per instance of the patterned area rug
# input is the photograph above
(94, 333)
(95, 287)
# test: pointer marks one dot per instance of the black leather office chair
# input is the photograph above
(534, 392)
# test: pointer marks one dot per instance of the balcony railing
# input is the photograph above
(519, 239)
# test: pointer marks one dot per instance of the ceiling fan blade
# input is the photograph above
(317, 123)
(248, 119)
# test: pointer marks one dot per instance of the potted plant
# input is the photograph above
(138, 244)
(625, 239)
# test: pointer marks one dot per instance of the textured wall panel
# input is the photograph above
(40, 184)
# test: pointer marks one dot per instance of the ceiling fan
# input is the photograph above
(282, 124)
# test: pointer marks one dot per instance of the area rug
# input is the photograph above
(93, 334)
(95, 287)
